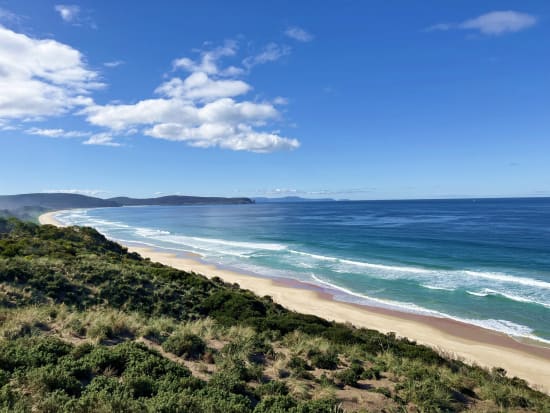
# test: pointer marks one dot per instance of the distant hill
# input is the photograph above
(53, 201)
(180, 200)
(29, 206)
(263, 200)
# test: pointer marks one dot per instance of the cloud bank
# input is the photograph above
(206, 108)
(41, 78)
(203, 103)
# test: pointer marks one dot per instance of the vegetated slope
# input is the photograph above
(29, 206)
(53, 201)
(86, 326)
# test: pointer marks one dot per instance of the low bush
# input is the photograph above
(188, 346)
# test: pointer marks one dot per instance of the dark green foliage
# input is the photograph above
(188, 346)
(272, 388)
(351, 375)
(324, 360)
(275, 404)
(300, 368)
(372, 373)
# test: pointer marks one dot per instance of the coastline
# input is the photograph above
(471, 343)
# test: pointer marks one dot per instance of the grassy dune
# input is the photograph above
(86, 326)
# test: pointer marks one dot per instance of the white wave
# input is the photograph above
(414, 270)
(497, 276)
(361, 264)
(148, 232)
(435, 287)
(250, 245)
(318, 257)
(503, 326)
(407, 307)
(487, 291)
(477, 294)
(447, 279)
(210, 243)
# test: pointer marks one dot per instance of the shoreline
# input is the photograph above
(472, 344)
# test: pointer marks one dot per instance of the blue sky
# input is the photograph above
(342, 99)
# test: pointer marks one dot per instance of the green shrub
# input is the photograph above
(372, 373)
(188, 346)
(324, 360)
(228, 381)
(299, 367)
(275, 404)
(348, 377)
(272, 388)
(319, 406)
(48, 379)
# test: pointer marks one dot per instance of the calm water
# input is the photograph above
(486, 262)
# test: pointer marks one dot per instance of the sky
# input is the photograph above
(339, 99)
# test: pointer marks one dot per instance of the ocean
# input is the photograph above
(485, 262)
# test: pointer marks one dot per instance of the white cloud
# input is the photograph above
(68, 12)
(201, 109)
(114, 63)
(297, 33)
(493, 23)
(499, 22)
(270, 53)
(209, 61)
(206, 108)
(280, 100)
(198, 86)
(41, 78)
(103, 139)
(235, 137)
(57, 133)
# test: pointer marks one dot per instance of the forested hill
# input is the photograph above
(180, 200)
(53, 201)
(86, 326)
(27, 206)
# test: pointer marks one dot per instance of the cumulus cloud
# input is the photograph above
(205, 109)
(41, 78)
(68, 12)
(208, 62)
(56, 133)
(198, 86)
(494, 23)
(102, 139)
(297, 33)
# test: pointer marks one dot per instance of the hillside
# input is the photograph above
(29, 206)
(53, 201)
(86, 326)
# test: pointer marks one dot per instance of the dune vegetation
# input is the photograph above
(86, 326)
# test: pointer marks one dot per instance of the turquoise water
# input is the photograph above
(485, 262)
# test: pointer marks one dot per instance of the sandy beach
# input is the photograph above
(470, 343)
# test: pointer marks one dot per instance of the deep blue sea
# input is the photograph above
(485, 262)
